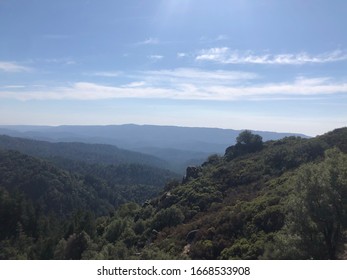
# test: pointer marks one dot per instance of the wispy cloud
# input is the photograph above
(222, 37)
(225, 55)
(301, 87)
(66, 61)
(196, 76)
(135, 84)
(188, 84)
(13, 67)
(149, 41)
(181, 55)
(13, 86)
(110, 74)
(155, 57)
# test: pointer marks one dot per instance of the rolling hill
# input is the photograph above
(178, 146)
(88, 153)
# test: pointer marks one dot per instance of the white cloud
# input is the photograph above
(135, 84)
(13, 67)
(56, 60)
(149, 41)
(71, 62)
(301, 87)
(227, 56)
(107, 74)
(181, 55)
(13, 86)
(222, 37)
(155, 57)
(197, 76)
(186, 84)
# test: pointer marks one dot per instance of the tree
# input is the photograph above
(75, 245)
(247, 139)
(168, 217)
(317, 210)
(246, 142)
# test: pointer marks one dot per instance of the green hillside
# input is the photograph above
(88, 153)
(284, 199)
(42, 203)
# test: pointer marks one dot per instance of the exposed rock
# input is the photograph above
(192, 172)
(186, 250)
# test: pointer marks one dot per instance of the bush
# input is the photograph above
(168, 218)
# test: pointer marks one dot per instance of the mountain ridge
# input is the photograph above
(92, 153)
(179, 146)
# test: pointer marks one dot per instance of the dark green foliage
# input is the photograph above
(291, 152)
(76, 245)
(88, 153)
(168, 218)
(243, 197)
(317, 210)
(114, 230)
(48, 212)
(247, 138)
(283, 199)
(246, 142)
(336, 138)
(51, 189)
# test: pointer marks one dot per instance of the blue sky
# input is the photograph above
(278, 65)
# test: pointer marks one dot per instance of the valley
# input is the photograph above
(254, 200)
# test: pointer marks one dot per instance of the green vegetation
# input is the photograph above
(284, 199)
(88, 153)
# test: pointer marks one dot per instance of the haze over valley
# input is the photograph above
(177, 147)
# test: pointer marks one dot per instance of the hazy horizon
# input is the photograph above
(159, 125)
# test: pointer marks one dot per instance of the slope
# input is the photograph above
(256, 201)
(240, 205)
(89, 153)
(41, 203)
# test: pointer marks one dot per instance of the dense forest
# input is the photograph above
(88, 153)
(283, 199)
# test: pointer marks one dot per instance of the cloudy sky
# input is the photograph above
(278, 65)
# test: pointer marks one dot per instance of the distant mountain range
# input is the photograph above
(178, 146)
(88, 153)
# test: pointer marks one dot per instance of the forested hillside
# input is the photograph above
(177, 146)
(88, 153)
(284, 199)
(42, 199)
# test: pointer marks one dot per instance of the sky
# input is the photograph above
(276, 65)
